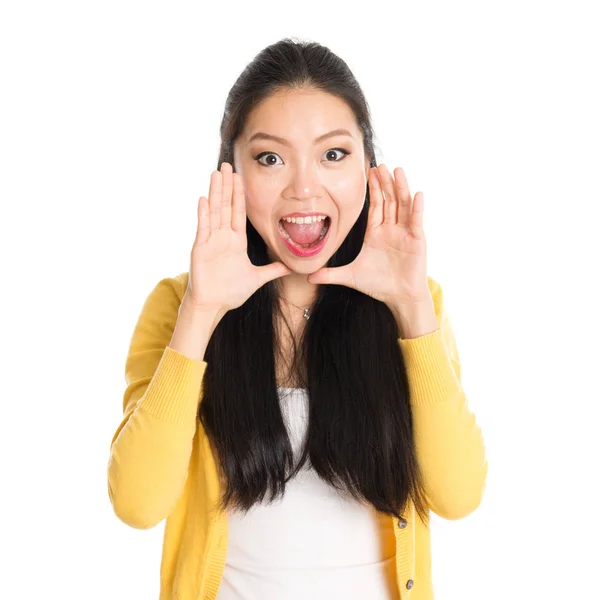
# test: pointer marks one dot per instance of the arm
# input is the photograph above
(151, 448)
(449, 442)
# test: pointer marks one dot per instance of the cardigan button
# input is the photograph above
(409, 584)
(402, 523)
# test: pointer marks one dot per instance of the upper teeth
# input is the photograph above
(312, 219)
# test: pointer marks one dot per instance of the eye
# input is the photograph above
(342, 150)
(329, 152)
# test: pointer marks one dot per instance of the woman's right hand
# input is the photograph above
(221, 276)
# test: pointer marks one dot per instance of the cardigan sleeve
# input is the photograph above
(151, 448)
(449, 442)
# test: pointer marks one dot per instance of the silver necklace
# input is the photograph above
(306, 310)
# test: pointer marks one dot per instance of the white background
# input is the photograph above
(108, 133)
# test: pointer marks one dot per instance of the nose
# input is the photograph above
(304, 185)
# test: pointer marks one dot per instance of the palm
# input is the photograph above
(389, 253)
(225, 263)
(222, 275)
(392, 265)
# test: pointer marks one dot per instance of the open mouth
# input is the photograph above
(325, 228)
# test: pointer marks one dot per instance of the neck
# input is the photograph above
(297, 290)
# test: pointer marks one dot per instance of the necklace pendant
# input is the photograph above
(306, 314)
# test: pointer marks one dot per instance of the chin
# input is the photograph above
(306, 269)
(303, 267)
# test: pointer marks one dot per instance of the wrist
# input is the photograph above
(191, 309)
(415, 319)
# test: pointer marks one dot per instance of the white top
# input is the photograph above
(313, 543)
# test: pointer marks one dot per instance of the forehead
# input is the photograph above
(300, 115)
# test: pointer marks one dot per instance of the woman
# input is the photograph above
(294, 406)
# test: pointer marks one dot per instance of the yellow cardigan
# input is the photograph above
(162, 465)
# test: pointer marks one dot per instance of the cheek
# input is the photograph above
(352, 185)
(350, 193)
(259, 208)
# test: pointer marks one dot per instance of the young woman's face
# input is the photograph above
(299, 173)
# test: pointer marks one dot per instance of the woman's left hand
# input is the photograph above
(392, 264)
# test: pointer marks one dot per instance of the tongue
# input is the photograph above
(307, 233)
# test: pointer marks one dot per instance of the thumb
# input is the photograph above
(335, 275)
(272, 271)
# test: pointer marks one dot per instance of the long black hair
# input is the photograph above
(360, 434)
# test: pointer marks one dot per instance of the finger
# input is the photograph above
(226, 171)
(238, 221)
(273, 271)
(375, 217)
(417, 215)
(404, 199)
(203, 231)
(214, 199)
(390, 205)
(334, 275)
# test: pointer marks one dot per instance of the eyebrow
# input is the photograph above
(266, 136)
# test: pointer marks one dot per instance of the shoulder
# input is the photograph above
(172, 286)
(164, 299)
(436, 294)
(181, 282)
(444, 322)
